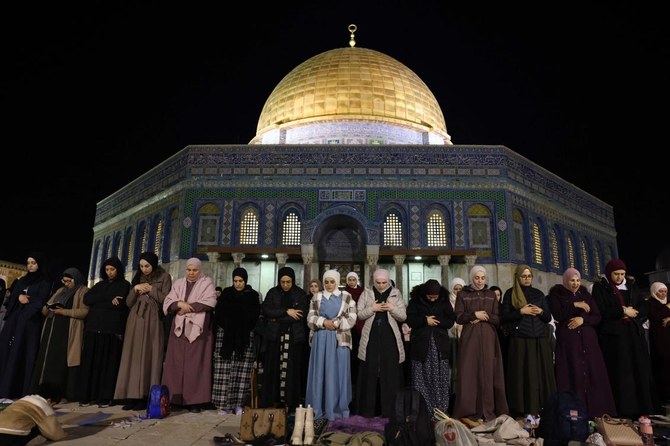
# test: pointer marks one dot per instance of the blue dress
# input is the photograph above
(329, 375)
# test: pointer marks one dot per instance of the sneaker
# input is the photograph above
(103, 403)
(238, 411)
(84, 404)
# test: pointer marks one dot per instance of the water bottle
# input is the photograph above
(646, 431)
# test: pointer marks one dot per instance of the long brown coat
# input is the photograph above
(481, 380)
(77, 314)
(143, 343)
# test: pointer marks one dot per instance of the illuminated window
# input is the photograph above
(249, 228)
(392, 230)
(158, 240)
(145, 239)
(291, 230)
(596, 260)
(555, 259)
(571, 253)
(436, 230)
(585, 260)
(537, 244)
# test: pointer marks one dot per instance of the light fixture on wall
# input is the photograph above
(417, 257)
(264, 256)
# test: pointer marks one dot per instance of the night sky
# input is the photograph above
(96, 95)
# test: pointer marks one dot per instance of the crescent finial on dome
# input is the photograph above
(352, 29)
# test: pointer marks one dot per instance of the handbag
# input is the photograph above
(258, 422)
(618, 431)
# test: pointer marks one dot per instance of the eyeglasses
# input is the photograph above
(527, 276)
(66, 281)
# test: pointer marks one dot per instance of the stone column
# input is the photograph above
(237, 258)
(215, 266)
(444, 263)
(372, 257)
(307, 251)
(398, 259)
(282, 257)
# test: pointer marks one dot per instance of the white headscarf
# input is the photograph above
(383, 274)
(655, 288)
(452, 296)
(333, 274)
(476, 269)
(353, 274)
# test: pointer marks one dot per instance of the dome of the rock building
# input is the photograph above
(351, 96)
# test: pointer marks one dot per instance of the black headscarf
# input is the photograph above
(285, 271)
(241, 272)
(42, 268)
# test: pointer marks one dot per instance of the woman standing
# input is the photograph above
(285, 309)
(20, 337)
(430, 315)
(455, 286)
(187, 370)
(481, 380)
(236, 314)
(381, 352)
(579, 363)
(59, 358)
(103, 334)
(332, 316)
(622, 341)
(659, 339)
(143, 344)
(530, 366)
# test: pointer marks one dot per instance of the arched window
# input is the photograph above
(555, 257)
(597, 260)
(571, 251)
(538, 257)
(174, 235)
(585, 259)
(393, 229)
(436, 229)
(517, 230)
(291, 227)
(249, 227)
(158, 239)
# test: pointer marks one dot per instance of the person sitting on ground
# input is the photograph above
(31, 416)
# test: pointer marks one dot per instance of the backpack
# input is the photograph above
(411, 423)
(158, 403)
(562, 419)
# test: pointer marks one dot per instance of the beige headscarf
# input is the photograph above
(655, 288)
(476, 269)
(518, 298)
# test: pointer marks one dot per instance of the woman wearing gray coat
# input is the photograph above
(380, 370)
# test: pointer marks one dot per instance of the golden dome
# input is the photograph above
(352, 84)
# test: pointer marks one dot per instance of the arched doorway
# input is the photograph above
(341, 244)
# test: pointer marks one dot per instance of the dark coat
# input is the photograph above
(103, 316)
(526, 326)
(580, 366)
(237, 313)
(276, 303)
(20, 336)
(418, 308)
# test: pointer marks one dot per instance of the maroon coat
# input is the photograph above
(578, 360)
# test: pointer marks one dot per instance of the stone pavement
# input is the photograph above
(114, 426)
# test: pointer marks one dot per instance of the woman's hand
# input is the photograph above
(575, 322)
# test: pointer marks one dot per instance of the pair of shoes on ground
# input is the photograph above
(104, 403)
(237, 411)
(303, 430)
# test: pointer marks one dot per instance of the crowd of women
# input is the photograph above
(472, 352)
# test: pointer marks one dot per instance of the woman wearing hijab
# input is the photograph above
(143, 344)
(332, 316)
(285, 309)
(236, 314)
(659, 339)
(455, 286)
(59, 357)
(105, 325)
(381, 352)
(481, 380)
(354, 288)
(530, 366)
(430, 315)
(578, 361)
(622, 340)
(20, 337)
(187, 370)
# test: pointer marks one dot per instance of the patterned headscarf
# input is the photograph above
(518, 298)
